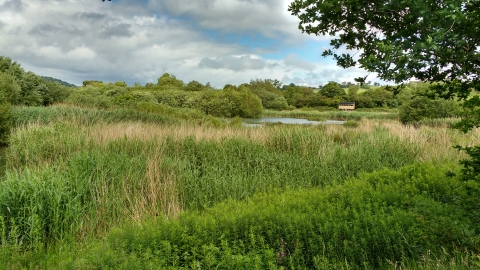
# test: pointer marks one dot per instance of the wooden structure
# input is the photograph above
(346, 106)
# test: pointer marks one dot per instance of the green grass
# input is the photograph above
(159, 114)
(367, 222)
(73, 174)
(332, 115)
(413, 218)
(111, 179)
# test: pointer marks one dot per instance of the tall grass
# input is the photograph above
(414, 218)
(159, 114)
(72, 173)
(331, 115)
(127, 171)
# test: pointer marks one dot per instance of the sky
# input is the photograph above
(216, 41)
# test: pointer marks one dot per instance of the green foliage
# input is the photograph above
(64, 83)
(367, 222)
(72, 179)
(143, 112)
(93, 83)
(93, 97)
(230, 102)
(332, 90)
(121, 84)
(272, 98)
(422, 107)
(33, 88)
(352, 92)
(251, 105)
(9, 89)
(167, 81)
(56, 93)
(403, 43)
(471, 169)
(470, 115)
(363, 101)
(381, 97)
(194, 86)
(5, 122)
(292, 93)
(7, 65)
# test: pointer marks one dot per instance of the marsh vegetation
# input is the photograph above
(112, 177)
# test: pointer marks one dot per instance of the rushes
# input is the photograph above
(157, 194)
(73, 178)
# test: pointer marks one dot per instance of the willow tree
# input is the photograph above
(434, 41)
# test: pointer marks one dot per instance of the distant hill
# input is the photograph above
(58, 81)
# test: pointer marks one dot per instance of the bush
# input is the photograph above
(422, 107)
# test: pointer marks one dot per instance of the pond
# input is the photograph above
(283, 120)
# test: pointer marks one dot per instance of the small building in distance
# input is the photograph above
(346, 106)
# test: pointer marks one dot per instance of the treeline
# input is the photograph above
(247, 100)
(18, 87)
(230, 102)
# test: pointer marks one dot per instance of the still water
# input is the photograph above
(282, 120)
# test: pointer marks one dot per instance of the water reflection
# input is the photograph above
(283, 120)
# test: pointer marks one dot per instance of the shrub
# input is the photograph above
(422, 107)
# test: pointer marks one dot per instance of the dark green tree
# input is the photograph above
(292, 93)
(9, 88)
(434, 41)
(34, 90)
(431, 40)
(194, 86)
(331, 90)
(381, 97)
(7, 65)
(167, 81)
(268, 91)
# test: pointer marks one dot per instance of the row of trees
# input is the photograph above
(247, 100)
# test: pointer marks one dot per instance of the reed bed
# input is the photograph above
(331, 115)
(412, 218)
(88, 116)
(69, 179)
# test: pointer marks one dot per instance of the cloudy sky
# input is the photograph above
(216, 41)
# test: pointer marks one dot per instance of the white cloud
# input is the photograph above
(215, 41)
(294, 61)
(245, 62)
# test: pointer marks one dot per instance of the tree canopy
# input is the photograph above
(431, 40)
(331, 90)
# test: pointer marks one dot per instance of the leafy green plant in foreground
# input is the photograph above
(369, 222)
